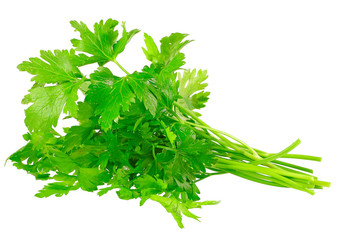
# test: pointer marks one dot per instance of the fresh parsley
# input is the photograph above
(139, 133)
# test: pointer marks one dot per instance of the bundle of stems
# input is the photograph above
(238, 158)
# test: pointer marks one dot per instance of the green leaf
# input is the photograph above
(175, 63)
(98, 43)
(121, 178)
(195, 152)
(122, 42)
(62, 177)
(147, 181)
(182, 173)
(170, 135)
(39, 139)
(56, 67)
(58, 189)
(119, 93)
(114, 152)
(176, 207)
(103, 159)
(105, 190)
(148, 186)
(62, 161)
(165, 85)
(85, 113)
(104, 74)
(23, 153)
(169, 59)
(171, 46)
(151, 52)
(42, 177)
(76, 136)
(48, 103)
(191, 204)
(110, 100)
(102, 43)
(81, 59)
(140, 86)
(127, 194)
(198, 100)
(91, 178)
(191, 86)
(70, 92)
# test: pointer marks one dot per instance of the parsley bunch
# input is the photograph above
(139, 133)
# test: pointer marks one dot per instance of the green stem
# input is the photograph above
(281, 175)
(290, 165)
(165, 147)
(218, 133)
(295, 156)
(322, 183)
(155, 159)
(251, 167)
(120, 66)
(278, 155)
(304, 157)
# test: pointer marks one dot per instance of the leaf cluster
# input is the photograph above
(127, 137)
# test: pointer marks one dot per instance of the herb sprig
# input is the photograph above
(140, 133)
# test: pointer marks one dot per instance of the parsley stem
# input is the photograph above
(279, 174)
(240, 148)
(226, 134)
(304, 157)
(166, 148)
(266, 170)
(155, 158)
(295, 156)
(280, 154)
(120, 66)
(218, 133)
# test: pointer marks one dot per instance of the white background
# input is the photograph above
(273, 78)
